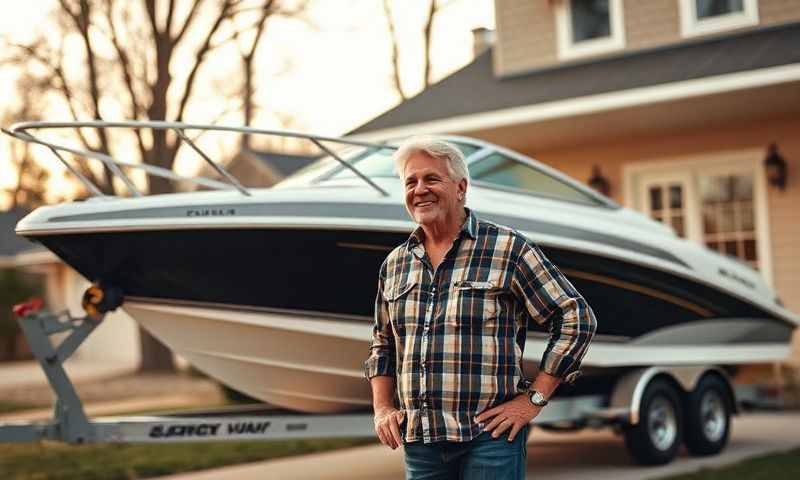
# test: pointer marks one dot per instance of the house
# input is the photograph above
(261, 168)
(687, 110)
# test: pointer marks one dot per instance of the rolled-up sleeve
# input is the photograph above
(382, 359)
(551, 300)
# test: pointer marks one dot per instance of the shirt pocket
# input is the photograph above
(477, 302)
(402, 298)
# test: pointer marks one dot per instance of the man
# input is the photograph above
(451, 319)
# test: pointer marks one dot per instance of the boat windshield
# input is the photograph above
(378, 163)
(372, 162)
(502, 171)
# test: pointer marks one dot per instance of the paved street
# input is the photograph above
(594, 455)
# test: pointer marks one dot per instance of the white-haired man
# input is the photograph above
(451, 318)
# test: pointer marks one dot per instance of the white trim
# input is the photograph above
(596, 103)
(568, 49)
(746, 161)
(691, 26)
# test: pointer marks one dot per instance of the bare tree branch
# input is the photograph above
(170, 14)
(427, 45)
(187, 22)
(247, 63)
(200, 59)
(395, 56)
(125, 67)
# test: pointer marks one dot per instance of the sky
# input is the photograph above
(326, 75)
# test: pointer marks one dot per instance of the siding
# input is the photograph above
(526, 36)
(771, 12)
(650, 23)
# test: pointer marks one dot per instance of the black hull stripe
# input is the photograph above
(365, 211)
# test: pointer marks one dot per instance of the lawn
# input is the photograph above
(776, 466)
(11, 407)
(47, 460)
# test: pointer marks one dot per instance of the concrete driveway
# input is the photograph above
(594, 455)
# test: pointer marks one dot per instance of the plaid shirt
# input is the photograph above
(453, 338)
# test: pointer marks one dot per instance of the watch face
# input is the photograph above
(537, 398)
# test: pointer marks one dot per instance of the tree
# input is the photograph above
(144, 59)
(426, 47)
(29, 189)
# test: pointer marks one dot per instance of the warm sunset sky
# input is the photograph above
(329, 78)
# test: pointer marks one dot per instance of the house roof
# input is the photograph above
(285, 164)
(474, 89)
(10, 243)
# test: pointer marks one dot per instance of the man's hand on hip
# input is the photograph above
(387, 426)
(513, 414)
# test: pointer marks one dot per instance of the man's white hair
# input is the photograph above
(435, 148)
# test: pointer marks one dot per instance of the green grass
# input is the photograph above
(11, 407)
(776, 466)
(46, 460)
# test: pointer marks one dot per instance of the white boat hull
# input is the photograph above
(314, 364)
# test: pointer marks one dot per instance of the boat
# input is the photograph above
(271, 290)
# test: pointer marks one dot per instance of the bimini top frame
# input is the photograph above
(23, 130)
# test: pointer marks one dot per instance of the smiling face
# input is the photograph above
(432, 197)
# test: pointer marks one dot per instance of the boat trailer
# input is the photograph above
(632, 406)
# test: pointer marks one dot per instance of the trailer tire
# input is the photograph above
(708, 417)
(655, 439)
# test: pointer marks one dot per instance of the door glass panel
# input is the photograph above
(725, 216)
(665, 203)
(750, 250)
(677, 224)
(675, 196)
(729, 216)
(655, 199)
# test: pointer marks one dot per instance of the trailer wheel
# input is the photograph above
(656, 438)
(708, 417)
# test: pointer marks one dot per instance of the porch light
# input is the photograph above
(598, 182)
(775, 166)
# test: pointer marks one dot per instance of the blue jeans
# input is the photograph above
(481, 458)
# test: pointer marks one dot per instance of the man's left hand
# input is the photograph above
(513, 414)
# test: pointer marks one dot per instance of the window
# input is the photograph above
(588, 27)
(718, 200)
(728, 216)
(497, 169)
(699, 17)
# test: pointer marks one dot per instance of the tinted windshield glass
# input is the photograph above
(378, 163)
(500, 170)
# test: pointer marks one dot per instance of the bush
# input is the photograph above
(15, 287)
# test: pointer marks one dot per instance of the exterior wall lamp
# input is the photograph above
(775, 166)
(598, 182)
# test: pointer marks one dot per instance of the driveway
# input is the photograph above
(594, 455)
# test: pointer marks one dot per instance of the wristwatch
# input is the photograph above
(537, 398)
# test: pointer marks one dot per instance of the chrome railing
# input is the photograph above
(22, 131)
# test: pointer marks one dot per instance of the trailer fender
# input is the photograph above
(628, 392)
